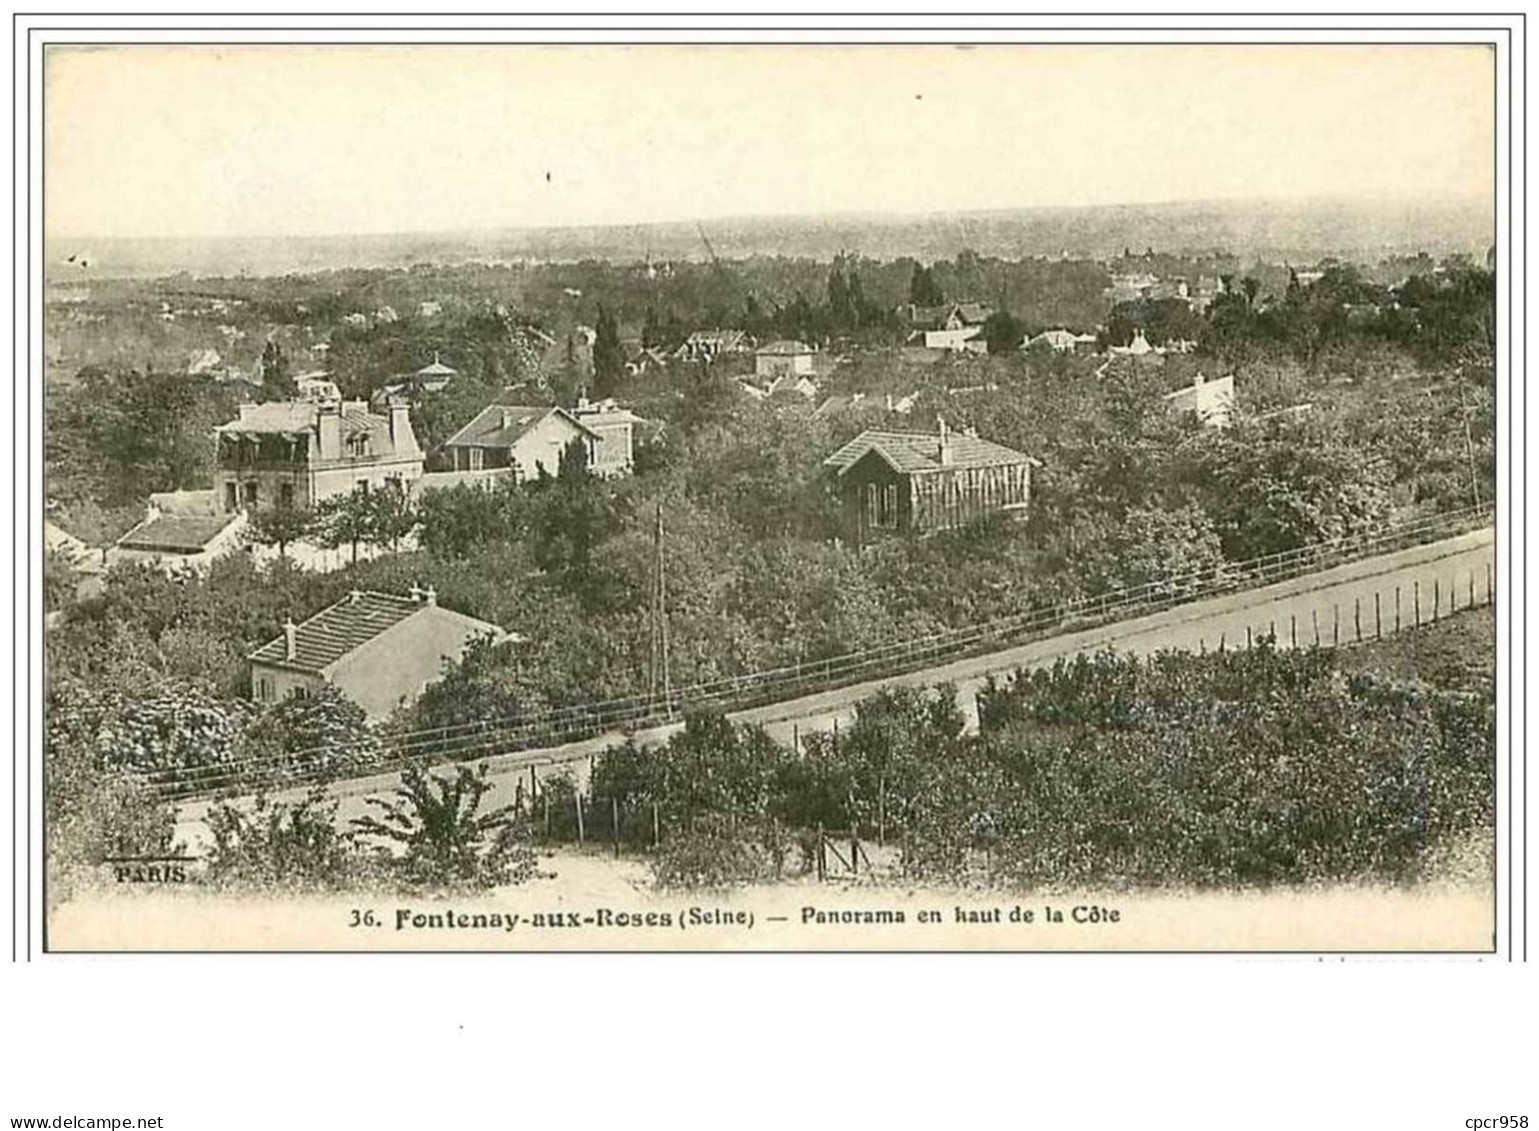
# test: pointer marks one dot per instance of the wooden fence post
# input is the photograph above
(546, 795)
(1378, 618)
(1293, 629)
(1416, 603)
(881, 810)
(614, 822)
(1314, 619)
(577, 797)
(1471, 604)
(1221, 637)
(821, 859)
(1437, 598)
(1488, 583)
(1335, 624)
(657, 828)
(1397, 608)
(1247, 638)
(1357, 618)
(854, 849)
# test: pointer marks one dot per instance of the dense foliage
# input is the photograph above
(1241, 768)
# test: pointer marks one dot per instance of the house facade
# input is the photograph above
(524, 439)
(783, 359)
(378, 649)
(957, 328)
(1211, 401)
(922, 483)
(296, 453)
(614, 431)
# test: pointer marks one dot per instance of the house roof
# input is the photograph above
(437, 369)
(176, 533)
(503, 425)
(293, 418)
(972, 313)
(785, 347)
(348, 625)
(909, 452)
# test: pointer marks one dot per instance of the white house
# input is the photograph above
(525, 439)
(614, 428)
(782, 358)
(1211, 401)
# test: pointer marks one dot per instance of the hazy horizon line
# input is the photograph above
(1312, 200)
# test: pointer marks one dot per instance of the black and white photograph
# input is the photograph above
(770, 497)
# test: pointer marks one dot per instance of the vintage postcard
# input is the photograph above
(707, 496)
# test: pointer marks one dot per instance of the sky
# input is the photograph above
(333, 140)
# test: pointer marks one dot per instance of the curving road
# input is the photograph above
(1337, 604)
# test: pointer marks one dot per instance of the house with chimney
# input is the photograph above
(182, 532)
(378, 649)
(613, 448)
(296, 453)
(921, 483)
(523, 439)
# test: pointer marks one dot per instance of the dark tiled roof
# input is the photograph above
(909, 452)
(175, 533)
(334, 632)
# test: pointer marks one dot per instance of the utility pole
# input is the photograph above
(1469, 443)
(661, 676)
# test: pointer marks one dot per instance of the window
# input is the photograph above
(286, 494)
(251, 495)
(475, 459)
(231, 497)
(264, 690)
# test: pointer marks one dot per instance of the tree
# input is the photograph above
(446, 841)
(281, 524)
(393, 517)
(923, 290)
(608, 356)
(1003, 332)
(323, 731)
(345, 520)
(456, 521)
(283, 844)
(277, 382)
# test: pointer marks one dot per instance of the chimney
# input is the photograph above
(288, 639)
(400, 423)
(354, 596)
(432, 595)
(416, 593)
(945, 453)
(328, 420)
(889, 402)
(1200, 378)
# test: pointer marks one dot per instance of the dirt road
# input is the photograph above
(1338, 606)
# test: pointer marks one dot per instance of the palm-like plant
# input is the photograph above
(446, 841)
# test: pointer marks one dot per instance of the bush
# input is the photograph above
(284, 845)
(712, 854)
(443, 839)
